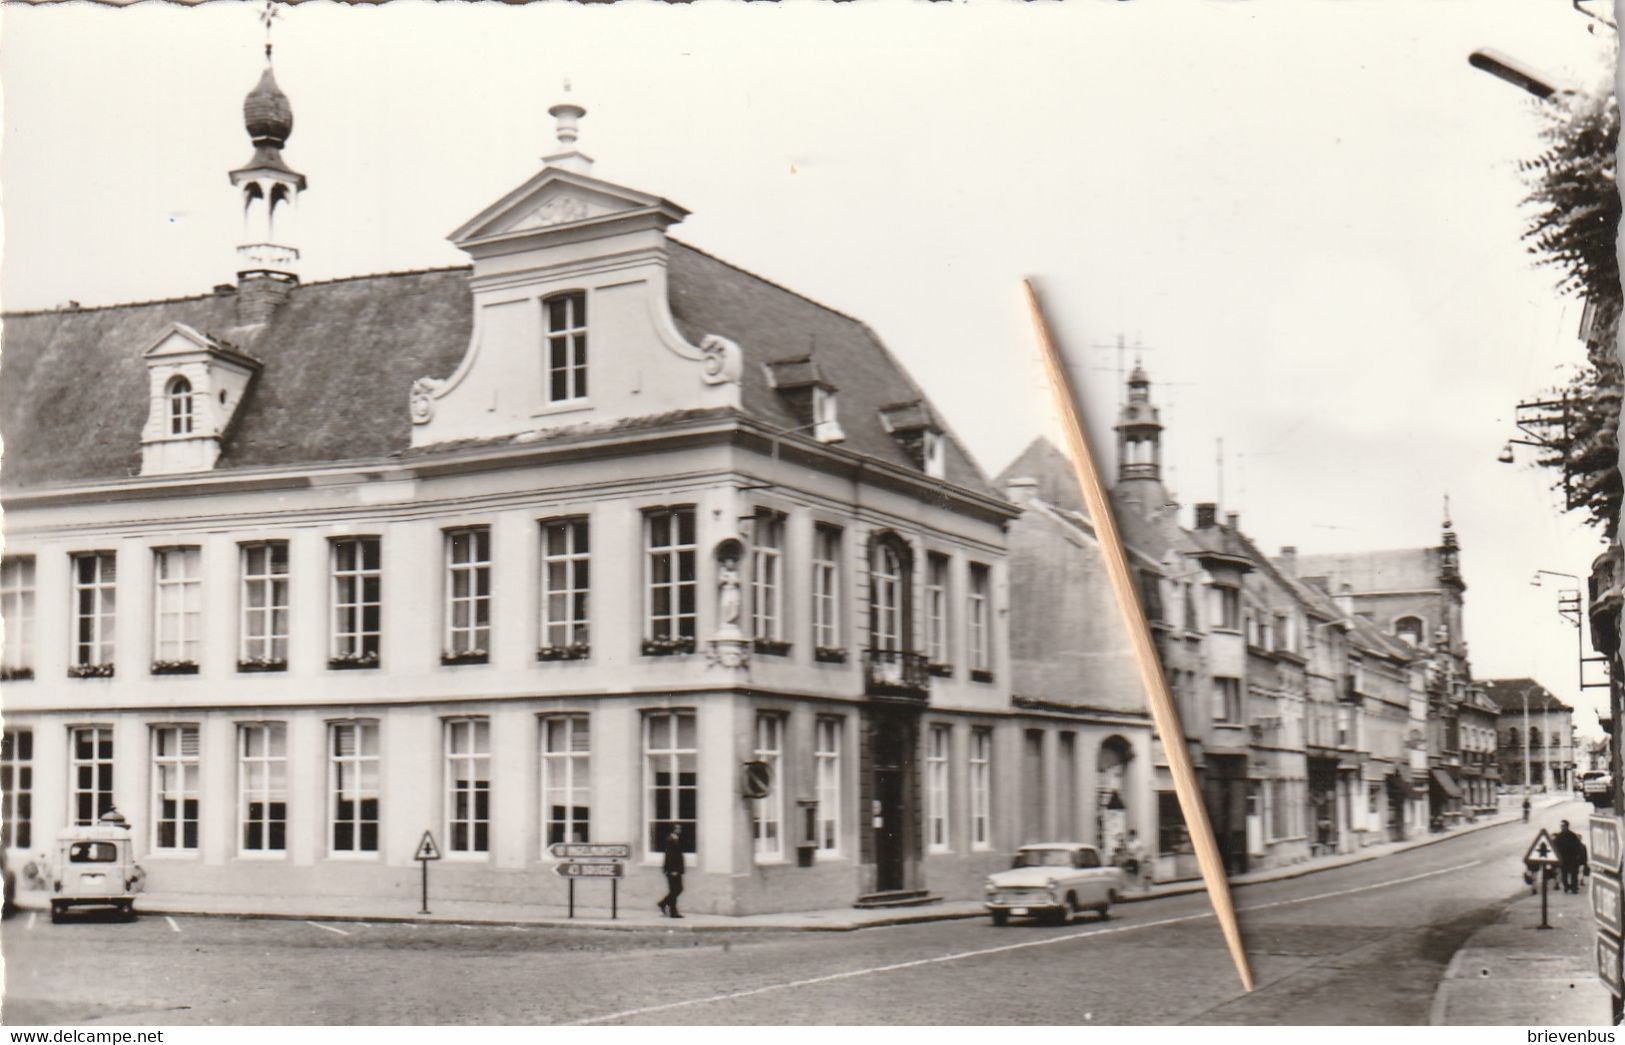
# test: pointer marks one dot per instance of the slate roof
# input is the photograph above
(339, 359)
(1509, 695)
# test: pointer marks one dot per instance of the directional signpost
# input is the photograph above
(1606, 899)
(1541, 856)
(427, 851)
(592, 860)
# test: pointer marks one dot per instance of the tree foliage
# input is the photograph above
(1575, 209)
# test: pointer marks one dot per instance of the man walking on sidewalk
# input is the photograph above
(1571, 856)
(673, 866)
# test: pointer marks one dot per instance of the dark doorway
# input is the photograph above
(893, 740)
(1225, 789)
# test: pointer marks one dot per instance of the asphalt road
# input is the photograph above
(1364, 944)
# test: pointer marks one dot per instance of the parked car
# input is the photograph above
(95, 867)
(1053, 880)
(1598, 785)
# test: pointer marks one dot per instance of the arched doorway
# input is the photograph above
(1112, 812)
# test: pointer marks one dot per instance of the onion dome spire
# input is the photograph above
(266, 111)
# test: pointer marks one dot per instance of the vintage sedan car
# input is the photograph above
(1053, 880)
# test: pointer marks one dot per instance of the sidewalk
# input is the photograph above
(841, 919)
(1510, 973)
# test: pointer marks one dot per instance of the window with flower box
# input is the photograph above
(95, 591)
(17, 608)
(828, 645)
(175, 788)
(358, 599)
(264, 631)
(468, 596)
(178, 604)
(937, 648)
(670, 591)
(981, 624)
(566, 580)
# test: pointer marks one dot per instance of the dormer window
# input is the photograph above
(180, 406)
(810, 397)
(566, 348)
(826, 417)
(932, 449)
(916, 430)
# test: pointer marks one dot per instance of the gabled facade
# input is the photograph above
(551, 556)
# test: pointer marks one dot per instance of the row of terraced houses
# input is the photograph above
(547, 547)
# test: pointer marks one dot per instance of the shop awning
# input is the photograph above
(1446, 783)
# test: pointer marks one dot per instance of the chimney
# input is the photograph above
(1021, 490)
(1289, 559)
(1345, 599)
(259, 294)
(1206, 515)
(1233, 520)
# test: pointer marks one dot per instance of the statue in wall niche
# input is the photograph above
(728, 597)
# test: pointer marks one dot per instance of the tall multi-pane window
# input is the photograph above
(353, 780)
(264, 605)
(17, 788)
(981, 788)
(826, 587)
(90, 773)
(174, 787)
(827, 764)
(671, 778)
(17, 608)
(1226, 608)
(468, 594)
(767, 578)
(566, 779)
(767, 814)
(358, 599)
(886, 582)
(468, 785)
(180, 406)
(95, 578)
(565, 582)
(566, 347)
(1227, 700)
(978, 609)
(178, 600)
(670, 578)
(938, 744)
(262, 786)
(937, 650)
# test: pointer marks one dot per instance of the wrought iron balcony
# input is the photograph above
(898, 674)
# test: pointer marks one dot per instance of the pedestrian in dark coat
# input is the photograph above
(673, 866)
(1571, 856)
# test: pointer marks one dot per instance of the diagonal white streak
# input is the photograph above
(329, 928)
(1002, 949)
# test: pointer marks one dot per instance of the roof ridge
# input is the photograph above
(60, 310)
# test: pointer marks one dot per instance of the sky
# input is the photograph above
(1307, 213)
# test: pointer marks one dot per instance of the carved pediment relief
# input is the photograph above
(556, 197)
(557, 210)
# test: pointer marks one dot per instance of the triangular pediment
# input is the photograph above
(178, 339)
(555, 197)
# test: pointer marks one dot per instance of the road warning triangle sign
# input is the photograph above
(427, 850)
(1540, 851)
